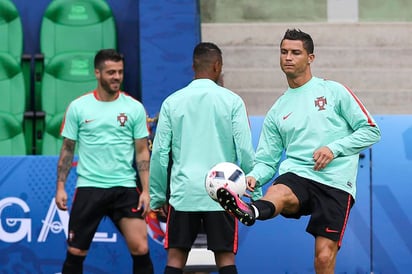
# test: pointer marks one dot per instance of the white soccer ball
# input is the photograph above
(227, 175)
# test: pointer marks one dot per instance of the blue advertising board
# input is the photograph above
(33, 231)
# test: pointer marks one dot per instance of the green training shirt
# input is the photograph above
(105, 133)
(202, 124)
(319, 113)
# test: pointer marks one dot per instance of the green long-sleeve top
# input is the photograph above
(319, 113)
(202, 124)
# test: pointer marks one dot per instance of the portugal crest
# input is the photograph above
(122, 118)
(321, 102)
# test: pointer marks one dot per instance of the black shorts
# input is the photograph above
(91, 204)
(220, 228)
(329, 207)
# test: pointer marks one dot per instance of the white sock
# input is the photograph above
(256, 211)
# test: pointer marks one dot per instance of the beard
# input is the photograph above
(110, 87)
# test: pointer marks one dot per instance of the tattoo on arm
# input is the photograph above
(65, 160)
(143, 165)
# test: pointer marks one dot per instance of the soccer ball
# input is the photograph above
(227, 175)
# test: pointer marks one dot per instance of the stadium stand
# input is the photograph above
(12, 93)
(71, 33)
(69, 26)
(11, 32)
(66, 77)
(15, 89)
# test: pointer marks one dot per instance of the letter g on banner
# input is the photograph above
(17, 228)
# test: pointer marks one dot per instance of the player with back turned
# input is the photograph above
(201, 125)
(322, 127)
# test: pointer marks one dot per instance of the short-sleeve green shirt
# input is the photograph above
(105, 133)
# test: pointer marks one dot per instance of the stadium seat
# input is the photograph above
(11, 37)
(11, 31)
(71, 33)
(71, 26)
(12, 94)
(77, 25)
(66, 77)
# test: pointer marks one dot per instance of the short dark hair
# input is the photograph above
(104, 55)
(297, 34)
(205, 54)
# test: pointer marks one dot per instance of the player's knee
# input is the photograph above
(224, 258)
(139, 250)
(281, 195)
(76, 251)
(324, 260)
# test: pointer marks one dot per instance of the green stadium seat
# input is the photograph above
(12, 94)
(11, 37)
(11, 43)
(66, 77)
(77, 25)
(71, 33)
(11, 30)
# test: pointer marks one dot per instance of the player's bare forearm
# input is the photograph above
(65, 161)
(143, 162)
(143, 169)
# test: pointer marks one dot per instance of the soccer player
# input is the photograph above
(201, 125)
(322, 127)
(109, 127)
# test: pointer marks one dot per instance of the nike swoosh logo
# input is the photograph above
(286, 116)
(134, 210)
(88, 121)
(331, 230)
